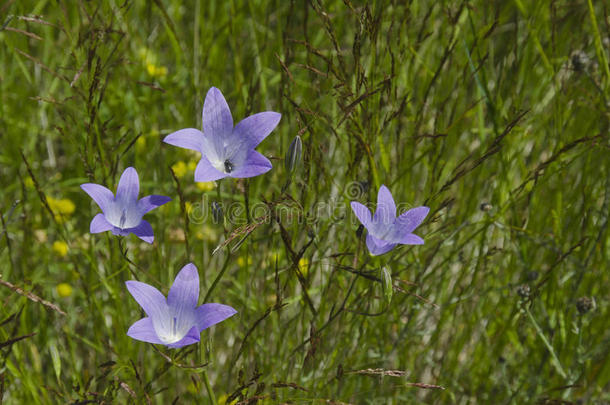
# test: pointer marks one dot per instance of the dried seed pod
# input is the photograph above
(486, 207)
(584, 305)
(523, 290)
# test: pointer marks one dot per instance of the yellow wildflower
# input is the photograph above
(156, 71)
(61, 208)
(241, 262)
(222, 400)
(60, 248)
(304, 266)
(180, 169)
(64, 290)
(205, 186)
(206, 233)
(141, 143)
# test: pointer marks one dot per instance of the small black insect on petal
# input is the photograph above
(228, 166)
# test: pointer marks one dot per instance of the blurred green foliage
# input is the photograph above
(493, 113)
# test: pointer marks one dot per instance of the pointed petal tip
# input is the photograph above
(188, 272)
(143, 231)
(144, 331)
(184, 292)
(186, 138)
(99, 224)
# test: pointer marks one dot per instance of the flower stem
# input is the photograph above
(555, 360)
(208, 387)
(217, 279)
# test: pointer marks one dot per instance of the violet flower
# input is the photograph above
(123, 214)
(177, 321)
(226, 151)
(385, 230)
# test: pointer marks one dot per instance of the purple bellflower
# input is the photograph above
(385, 230)
(226, 151)
(177, 321)
(123, 214)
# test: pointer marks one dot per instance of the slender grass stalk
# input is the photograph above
(555, 360)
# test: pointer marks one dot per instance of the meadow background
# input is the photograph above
(493, 113)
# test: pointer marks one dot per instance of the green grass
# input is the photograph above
(495, 114)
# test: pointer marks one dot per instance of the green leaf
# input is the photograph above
(56, 359)
(386, 277)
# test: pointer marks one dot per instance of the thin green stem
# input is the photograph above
(218, 278)
(208, 387)
(555, 361)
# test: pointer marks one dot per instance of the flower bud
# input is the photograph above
(217, 213)
(293, 155)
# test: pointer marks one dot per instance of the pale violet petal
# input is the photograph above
(184, 293)
(100, 194)
(124, 214)
(386, 208)
(188, 138)
(99, 224)
(362, 213)
(210, 314)
(377, 246)
(148, 203)
(411, 219)
(411, 239)
(253, 165)
(143, 231)
(129, 186)
(206, 172)
(257, 127)
(216, 116)
(144, 331)
(191, 337)
(150, 299)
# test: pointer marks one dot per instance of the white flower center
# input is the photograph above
(123, 216)
(173, 328)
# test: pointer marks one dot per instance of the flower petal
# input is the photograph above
(99, 224)
(216, 117)
(184, 293)
(377, 246)
(143, 231)
(150, 299)
(386, 209)
(206, 172)
(100, 194)
(411, 239)
(210, 314)
(411, 219)
(188, 138)
(144, 331)
(193, 336)
(253, 165)
(362, 213)
(118, 231)
(149, 203)
(129, 186)
(256, 127)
